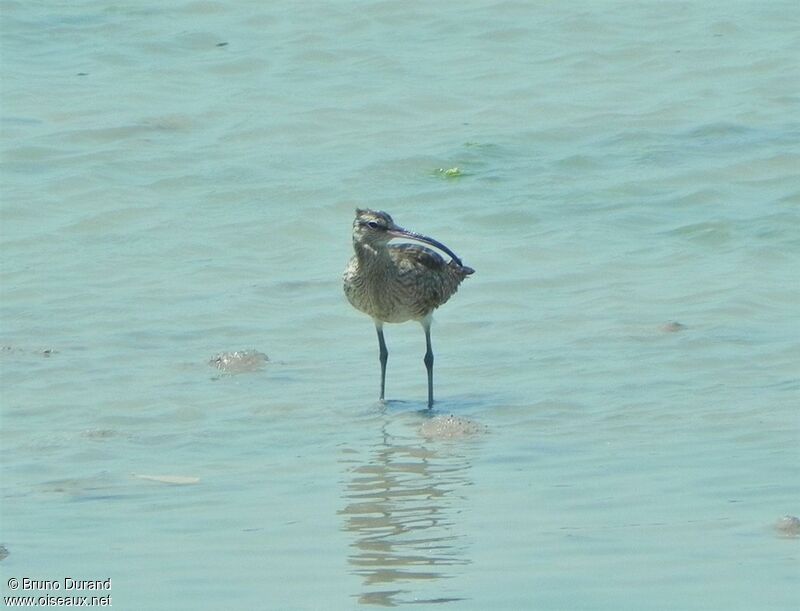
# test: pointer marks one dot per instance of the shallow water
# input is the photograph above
(178, 182)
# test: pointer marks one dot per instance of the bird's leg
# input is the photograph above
(383, 355)
(426, 324)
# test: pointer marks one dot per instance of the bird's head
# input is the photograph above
(375, 228)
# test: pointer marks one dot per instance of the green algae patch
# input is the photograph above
(454, 172)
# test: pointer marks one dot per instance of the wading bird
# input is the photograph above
(399, 282)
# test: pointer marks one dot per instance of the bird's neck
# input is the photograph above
(369, 254)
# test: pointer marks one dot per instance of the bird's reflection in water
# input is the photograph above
(402, 506)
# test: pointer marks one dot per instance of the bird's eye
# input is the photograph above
(374, 225)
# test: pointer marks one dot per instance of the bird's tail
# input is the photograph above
(462, 269)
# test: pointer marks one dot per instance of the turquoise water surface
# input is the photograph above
(178, 183)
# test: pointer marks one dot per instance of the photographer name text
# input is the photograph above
(60, 592)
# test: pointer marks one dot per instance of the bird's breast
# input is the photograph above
(406, 283)
(379, 294)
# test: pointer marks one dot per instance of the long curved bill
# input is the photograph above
(399, 232)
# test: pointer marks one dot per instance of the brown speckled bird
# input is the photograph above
(399, 282)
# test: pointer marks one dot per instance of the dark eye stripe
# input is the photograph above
(373, 225)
